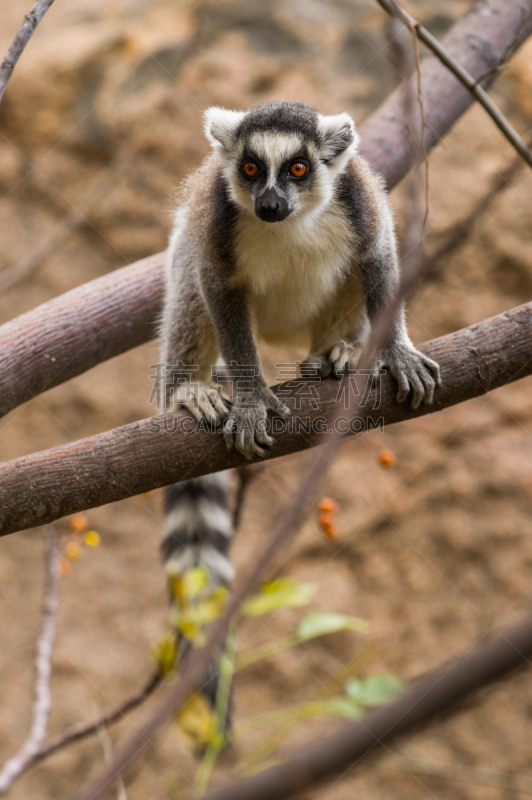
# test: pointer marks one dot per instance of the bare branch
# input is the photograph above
(25, 32)
(392, 7)
(83, 730)
(74, 332)
(162, 450)
(481, 776)
(42, 703)
(425, 700)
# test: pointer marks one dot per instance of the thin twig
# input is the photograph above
(424, 126)
(42, 702)
(456, 235)
(25, 32)
(508, 50)
(84, 729)
(470, 83)
(245, 474)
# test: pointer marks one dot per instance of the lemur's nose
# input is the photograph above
(271, 206)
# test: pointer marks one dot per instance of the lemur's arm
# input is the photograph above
(413, 371)
(250, 398)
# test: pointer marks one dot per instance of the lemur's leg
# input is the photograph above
(415, 373)
(246, 425)
(188, 353)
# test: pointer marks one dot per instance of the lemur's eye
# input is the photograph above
(298, 170)
(251, 169)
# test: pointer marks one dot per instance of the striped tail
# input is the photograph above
(197, 532)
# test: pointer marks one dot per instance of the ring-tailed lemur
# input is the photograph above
(283, 229)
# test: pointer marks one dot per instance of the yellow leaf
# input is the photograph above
(165, 653)
(188, 585)
(280, 593)
(192, 619)
(196, 721)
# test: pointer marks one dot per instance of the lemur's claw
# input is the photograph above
(415, 373)
(342, 356)
(204, 401)
(246, 427)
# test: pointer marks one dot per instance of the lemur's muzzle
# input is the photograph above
(271, 206)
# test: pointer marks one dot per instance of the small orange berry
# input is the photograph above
(328, 505)
(79, 523)
(387, 458)
(328, 523)
(64, 567)
(73, 551)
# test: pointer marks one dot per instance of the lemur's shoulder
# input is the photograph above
(205, 201)
(362, 194)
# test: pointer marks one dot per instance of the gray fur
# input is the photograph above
(274, 255)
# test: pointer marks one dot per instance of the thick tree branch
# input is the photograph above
(74, 332)
(25, 32)
(77, 330)
(393, 8)
(155, 452)
(428, 698)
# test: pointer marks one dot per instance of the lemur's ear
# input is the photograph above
(337, 133)
(221, 125)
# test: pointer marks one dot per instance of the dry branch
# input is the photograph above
(42, 703)
(82, 730)
(112, 314)
(393, 8)
(430, 697)
(155, 452)
(77, 330)
(25, 32)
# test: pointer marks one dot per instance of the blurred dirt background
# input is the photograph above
(102, 119)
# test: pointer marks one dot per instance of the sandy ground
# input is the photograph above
(433, 552)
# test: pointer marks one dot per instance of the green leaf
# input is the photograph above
(377, 690)
(342, 707)
(319, 623)
(280, 593)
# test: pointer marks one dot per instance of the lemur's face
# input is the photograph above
(281, 159)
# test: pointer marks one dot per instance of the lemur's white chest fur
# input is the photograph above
(292, 269)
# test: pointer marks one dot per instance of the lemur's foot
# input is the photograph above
(245, 429)
(203, 400)
(413, 371)
(343, 355)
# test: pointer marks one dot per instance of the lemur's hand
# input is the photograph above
(245, 429)
(413, 371)
(203, 400)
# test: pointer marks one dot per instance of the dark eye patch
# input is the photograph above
(250, 158)
(285, 176)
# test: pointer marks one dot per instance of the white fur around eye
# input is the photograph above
(221, 125)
